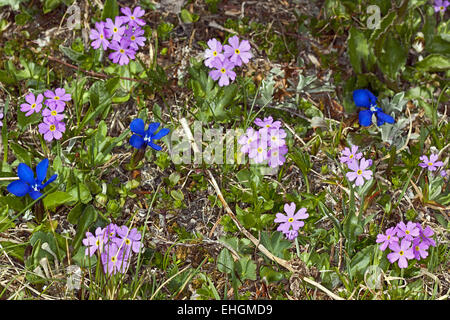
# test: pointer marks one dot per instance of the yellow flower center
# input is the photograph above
(115, 30)
(417, 248)
(121, 51)
(133, 38)
(351, 156)
(132, 18)
(401, 252)
(249, 141)
(33, 106)
(389, 237)
(127, 242)
(97, 243)
(101, 36)
(113, 258)
(214, 53)
(56, 98)
(54, 113)
(274, 154)
(52, 127)
(237, 51)
(291, 219)
(359, 172)
(407, 231)
(259, 150)
(223, 70)
(430, 163)
(267, 125)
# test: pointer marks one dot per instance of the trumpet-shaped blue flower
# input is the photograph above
(143, 138)
(28, 183)
(365, 99)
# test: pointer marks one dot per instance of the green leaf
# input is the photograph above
(87, 218)
(84, 260)
(393, 56)
(225, 262)
(13, 3)
(246, 268)
(177, 195)
(110, 9)
(187, 17)
(275, 243)
(362, 260)
(269, 274)
(49, 5)
(73, 55)
(83, 194)
(434, 62)
(75, 213)
(57, 198)
(21, 153)
(358, 49)
(5, 221)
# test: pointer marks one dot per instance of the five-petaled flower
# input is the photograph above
(387, 239)
(34, 104)
(116, 28)
(359, 172)
(213, 52)
(430, 163)
(409, 231)
(133, 18)
(143, 138)
(237, 52)
(350, 155)
(401, 252)
(123, 53)
(223, 71)
(94, 243)
(57, 98)
(114, 259)
(290, 223)
(248, 140)
(268, 123)
(100, 36)
(440, 5)
(52, 129)
(129, 239)
(28, 183)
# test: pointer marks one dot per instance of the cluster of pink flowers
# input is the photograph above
(124, 35)
(223, 58)
(357, 165)
(52, 126)
(268, 143)
(406, 242)
(114, 244)
(290, 223)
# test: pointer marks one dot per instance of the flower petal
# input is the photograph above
(161, 133)
(25, 173)
(365, 118)
(385, 117)
(18, 188)
(138, 126)
(41, 170)
(137, 141)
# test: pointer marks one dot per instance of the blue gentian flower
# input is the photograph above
(366, 99)
(143, 138)
(27, 183)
